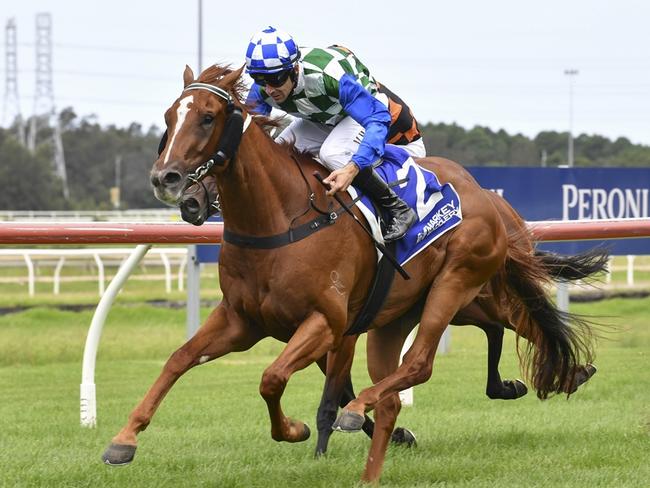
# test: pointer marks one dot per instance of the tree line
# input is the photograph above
(95, 153)
(481, 146)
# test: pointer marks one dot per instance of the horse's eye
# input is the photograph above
(207, 119)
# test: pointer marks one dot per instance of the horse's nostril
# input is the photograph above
(191, 211)
(155, 181)
(191, 205)
(171, 178)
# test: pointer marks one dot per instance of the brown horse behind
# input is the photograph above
(308, 292)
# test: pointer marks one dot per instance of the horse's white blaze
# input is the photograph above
(181, 113)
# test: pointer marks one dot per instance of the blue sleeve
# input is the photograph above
(256, 102)
(371, 114)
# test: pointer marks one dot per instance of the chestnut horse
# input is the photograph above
(308, 291)
(200, 201)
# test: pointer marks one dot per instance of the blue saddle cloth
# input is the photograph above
(437, 206)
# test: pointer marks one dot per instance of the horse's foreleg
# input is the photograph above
(312, 340)
(222, 333)
(337, 392)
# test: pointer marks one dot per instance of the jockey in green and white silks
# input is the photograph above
(343, 116)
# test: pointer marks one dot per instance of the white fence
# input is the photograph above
(101, 258)
(630, 267)
(169, 258)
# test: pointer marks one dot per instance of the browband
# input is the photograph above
(220, 92)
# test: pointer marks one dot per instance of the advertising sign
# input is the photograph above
(574, 194)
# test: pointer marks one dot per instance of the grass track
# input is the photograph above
(213, 430)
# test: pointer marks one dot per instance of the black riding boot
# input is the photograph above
(400, 216)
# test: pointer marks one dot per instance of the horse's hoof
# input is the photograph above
(118, 454)
(348, 422)
(291, 433)
(306, 432)
(582, 376)
(519, 387)
(403, 437)
(590, 370)
(507, 390)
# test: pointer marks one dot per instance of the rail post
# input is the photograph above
(193, 291)
(88, 399)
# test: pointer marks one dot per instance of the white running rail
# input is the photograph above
(98, 255)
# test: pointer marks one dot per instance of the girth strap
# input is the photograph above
(376, 296)
(279, 240)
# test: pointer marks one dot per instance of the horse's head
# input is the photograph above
(204, 126)
(200, 201)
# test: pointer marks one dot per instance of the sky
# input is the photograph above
(498, 64)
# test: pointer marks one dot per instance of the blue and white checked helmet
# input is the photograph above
(270, 51)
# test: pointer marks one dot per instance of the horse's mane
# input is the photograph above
(213, 76)
(216, 72)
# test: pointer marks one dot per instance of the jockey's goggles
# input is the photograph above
(274, 80)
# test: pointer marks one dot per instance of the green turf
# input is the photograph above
(213, 429)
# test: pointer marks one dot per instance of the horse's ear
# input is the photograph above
(188, 76)
(232, 77)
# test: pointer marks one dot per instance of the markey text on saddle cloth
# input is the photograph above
(446, 212)
(437, 206)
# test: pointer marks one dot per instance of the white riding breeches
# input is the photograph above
(334, 146)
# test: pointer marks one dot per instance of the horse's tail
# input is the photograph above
(558, 342)
(576, 267)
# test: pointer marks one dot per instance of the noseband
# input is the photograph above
(230, 138)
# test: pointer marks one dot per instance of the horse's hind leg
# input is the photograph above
(486, 312)
(386, 345)
(456, 285)
(497, 388)
(222, 333)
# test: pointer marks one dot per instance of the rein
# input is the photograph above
(292, 235)
(229, 141)
(214, 207)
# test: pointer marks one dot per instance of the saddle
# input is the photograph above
(438, 208)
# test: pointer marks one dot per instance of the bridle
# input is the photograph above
(212, 207)
(230, 138)
(234, 128)
(227, 146)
